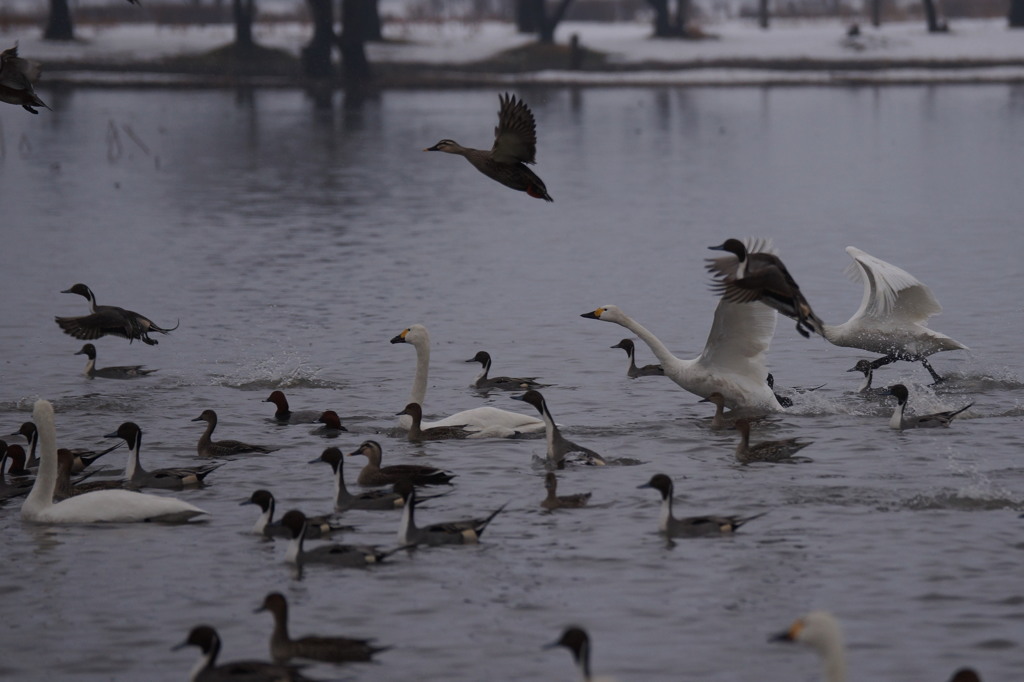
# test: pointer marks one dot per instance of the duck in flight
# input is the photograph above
(108, 319)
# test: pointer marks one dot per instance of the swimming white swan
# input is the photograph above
(892, 316)
(116, 506)
(483, 421)
(820, 629)
(732, 362)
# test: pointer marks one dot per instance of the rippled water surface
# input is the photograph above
(293, 243)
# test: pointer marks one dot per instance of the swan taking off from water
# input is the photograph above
(892, 317)
(483, 421)
(732, 362)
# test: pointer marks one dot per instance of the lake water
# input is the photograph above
(293, 242)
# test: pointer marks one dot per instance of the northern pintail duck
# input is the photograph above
(285, 415)
(16, 488)
(515, 144)
(691, 526)
(117, 506)
(632, 371)
(207, 447)
(820, 630)
(893, 316)
(207, 670)
(66, 487)
(31, 434)
(16, 78)
(577, 641)
(417, 433)
(559, 448)
(16, 459)
(450, 533)
(121, 372)
(965, 675)
(169, 478)
(784, 401)
(108, 319)
(373, 474)
(766, 451)
(483, 381)
(316, 526)
(332, 427)
(352, 556)
(370, 499)
(752, 272)
(732, 362)
(330, 649)
(484, 421)
(556, 501)
(899, 420)
(867, 368)
(83, 457)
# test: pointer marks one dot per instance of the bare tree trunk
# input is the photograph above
(354, 64)
(58, 23)
(682, 16)
(932, 17)
(243, 11)
(662, 26)
(316, 57)
(762, 13)
(1016, 17)
(529, 15)
(547, 28)
(876, 13)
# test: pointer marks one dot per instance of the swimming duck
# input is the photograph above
(482, 381)
(316, 526)
(28, 430)
(965, 675)
(784, 401)
(122, 372)
(371, 499)
(633, 371)
(867, 368)
(893, 316)
(16, 460)
(83, 457)
(351, 556)
(284, 415)
(820, 630)
(14, 488)
(373, 475)
(170, 478)
(117, 506)
(515, 144)
(16, 78)
(754, 273)
(732, 362)
(767, 451)
(485, 421)
(900, 421)
(207, 670)
(691, 526)
(418, 434)
(108, 319)
(66, 488)
(330, 649)
(559, 447)
(207, 447)
(451, 533)
(577, 641)
(556, 501)
(332, 427)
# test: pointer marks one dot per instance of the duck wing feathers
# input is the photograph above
(515, 136)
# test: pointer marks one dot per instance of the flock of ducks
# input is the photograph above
(753, 285)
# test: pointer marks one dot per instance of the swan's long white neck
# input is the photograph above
(41, 497)
(835, 662)
(419, 383)
(653, 342)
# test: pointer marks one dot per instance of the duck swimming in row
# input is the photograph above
(316, 526)
(284, 415)
(116, 506)
(351, 556)
(556, 501)
(332, 427)
(107, 319)
(893, 316)
(632, 371)
(482, 381)
(485, 421)
(207, 447)
(900, 421)
(207, 670)
(577, 641)
(330, 649)
(450, 533)
(766, 451)
(343, 499)
(417, 434)
(559, 447)
(820, 630)
(752, 272)
(374, 475)
(122, 372)
(17, 76)
(169, 478)
(690, 526)
(732, 362)
(515, 144)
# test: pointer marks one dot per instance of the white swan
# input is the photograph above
(117, 506)
(892, 315)
(484, 422)
(820, 630)
(733, 359)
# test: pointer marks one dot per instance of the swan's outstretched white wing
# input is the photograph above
(739, 339)
(891, 294)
